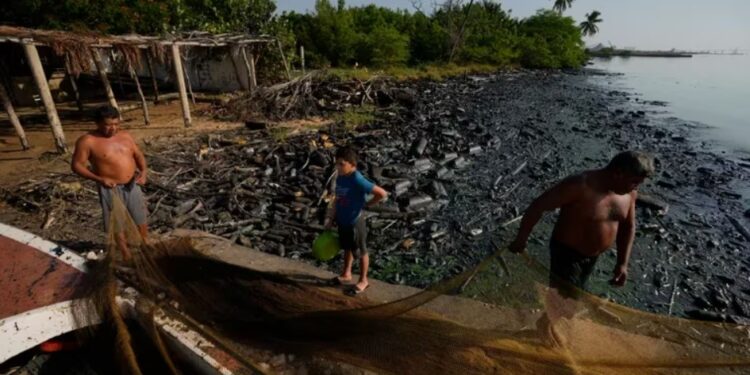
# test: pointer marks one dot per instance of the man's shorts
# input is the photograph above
(132, 197)
(569, 269)
(354, 237)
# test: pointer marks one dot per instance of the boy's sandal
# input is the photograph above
(354, 291)
(335, 281)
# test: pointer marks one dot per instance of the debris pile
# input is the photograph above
(313, 94)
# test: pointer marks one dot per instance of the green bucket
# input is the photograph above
(326, 246)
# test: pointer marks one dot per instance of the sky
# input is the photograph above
(643, 24)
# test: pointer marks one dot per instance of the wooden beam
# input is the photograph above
(283, 59)
(189, 84)
(13, 117)
(180, 77)
(144, 104)
(113, 65)
(154, 84)
(243, 83)
(73, 83)
(35, 63)
(250, 66)
(105, 81)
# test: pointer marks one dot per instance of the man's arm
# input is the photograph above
(559, 195)
(80, 161)
(625, 237)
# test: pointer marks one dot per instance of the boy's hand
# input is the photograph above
(328, 224)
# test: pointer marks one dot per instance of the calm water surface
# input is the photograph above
(710, 89)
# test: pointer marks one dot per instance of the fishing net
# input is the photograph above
(513, 324)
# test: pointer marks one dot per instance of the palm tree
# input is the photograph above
(589, 27)
(561, 5)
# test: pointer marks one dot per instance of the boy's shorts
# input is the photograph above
(354, 237)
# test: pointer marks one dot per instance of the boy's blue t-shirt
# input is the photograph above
(351, 191)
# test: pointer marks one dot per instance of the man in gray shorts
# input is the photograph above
(117, 166)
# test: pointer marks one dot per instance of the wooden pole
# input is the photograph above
(73, 83)
(250, 66)
(302, 57)
(253, 72)
(189, 85)
(154, 85)
(105, 81)
(144, 104)
(114, 70)
(13, 117)
(283, 59)
(243, 83)
(35, 63)
(180, 77)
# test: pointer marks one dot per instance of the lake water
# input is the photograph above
(710, 89)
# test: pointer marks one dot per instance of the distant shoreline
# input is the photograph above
(608, 52)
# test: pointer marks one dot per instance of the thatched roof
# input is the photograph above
(193, 38)
(77, 47)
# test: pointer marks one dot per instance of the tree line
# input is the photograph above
(335, 35)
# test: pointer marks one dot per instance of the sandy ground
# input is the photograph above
(17, 165)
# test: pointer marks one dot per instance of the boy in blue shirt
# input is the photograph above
(351, 191)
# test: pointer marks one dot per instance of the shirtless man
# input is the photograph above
(117, 166)
(597, 209)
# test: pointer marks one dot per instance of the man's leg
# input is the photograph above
(122, 244)
(143, 230)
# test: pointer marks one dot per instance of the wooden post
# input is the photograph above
(13, 117)
(35, 63)
(154, 84)
(283, 59)
(105, 81)
(144, 104)
(112, 63)
(250, 66)
(180, 77)
(243, 83)
(189, 84)
(253, 74)
(302, 57)
(73, 83)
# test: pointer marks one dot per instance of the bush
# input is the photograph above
(549, 40)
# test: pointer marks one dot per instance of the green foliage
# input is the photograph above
(378, 37)
(335, 35)
(386, 46)
(548, 40)
(589, 27)
(139, 16)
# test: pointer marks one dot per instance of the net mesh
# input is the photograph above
(523, 327)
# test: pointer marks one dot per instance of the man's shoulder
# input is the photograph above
(86, 139)
(579, 180)
(123, 134)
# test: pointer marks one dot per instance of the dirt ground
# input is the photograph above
(17, 165)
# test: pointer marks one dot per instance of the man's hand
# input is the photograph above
(141, 180)
(620, 275)
(517, 246)
(107, 182)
